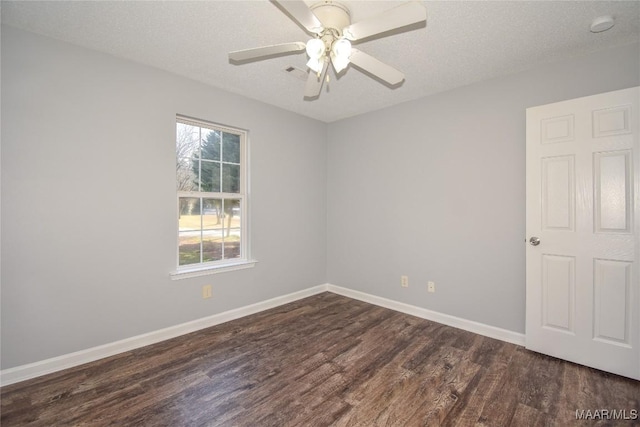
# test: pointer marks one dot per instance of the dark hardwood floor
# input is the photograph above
(323, 360)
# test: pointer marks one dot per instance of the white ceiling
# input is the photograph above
(463, 42)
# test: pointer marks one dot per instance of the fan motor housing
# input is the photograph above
(332, 14)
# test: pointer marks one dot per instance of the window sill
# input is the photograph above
(211, 269)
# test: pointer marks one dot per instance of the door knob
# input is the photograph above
(534, 241)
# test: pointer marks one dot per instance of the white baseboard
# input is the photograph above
(445, 319)
(48, 366)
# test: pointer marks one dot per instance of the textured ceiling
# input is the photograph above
(463, 42)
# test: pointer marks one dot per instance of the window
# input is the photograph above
(211, 181)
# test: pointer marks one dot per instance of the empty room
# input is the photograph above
(320, 213)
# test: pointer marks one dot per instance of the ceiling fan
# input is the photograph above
(330, 24)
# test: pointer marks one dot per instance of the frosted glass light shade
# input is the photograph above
(342, 48)
(315, 48)
(340, 53)
(316, 64)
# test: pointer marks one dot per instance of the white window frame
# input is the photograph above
(220, 266)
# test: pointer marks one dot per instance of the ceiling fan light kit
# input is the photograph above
(330, 24)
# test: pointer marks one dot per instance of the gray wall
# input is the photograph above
(89, 202)
(435, 189)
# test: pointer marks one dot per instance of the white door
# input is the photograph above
(583, 206)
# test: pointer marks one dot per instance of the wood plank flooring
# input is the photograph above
(324, 360)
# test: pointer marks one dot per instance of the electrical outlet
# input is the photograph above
(404, 281)
(431, 287)
(206, 291)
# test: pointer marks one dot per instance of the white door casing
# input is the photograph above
(583, 203)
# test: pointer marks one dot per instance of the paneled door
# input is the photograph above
(583, 222)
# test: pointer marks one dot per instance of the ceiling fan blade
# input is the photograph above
(379, 69)
(301, 13)
(400, 16)
(265, 51)
(314, 83)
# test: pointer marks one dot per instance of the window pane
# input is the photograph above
(232, 211)
(187, 149)
(189, 230)
(187, 141)
(230, 178)
(212, 214)
(189, 214)
(230, 148)
(210, 144)
(212, 233)
(210, 177)
(189, 247)
(186, 176)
